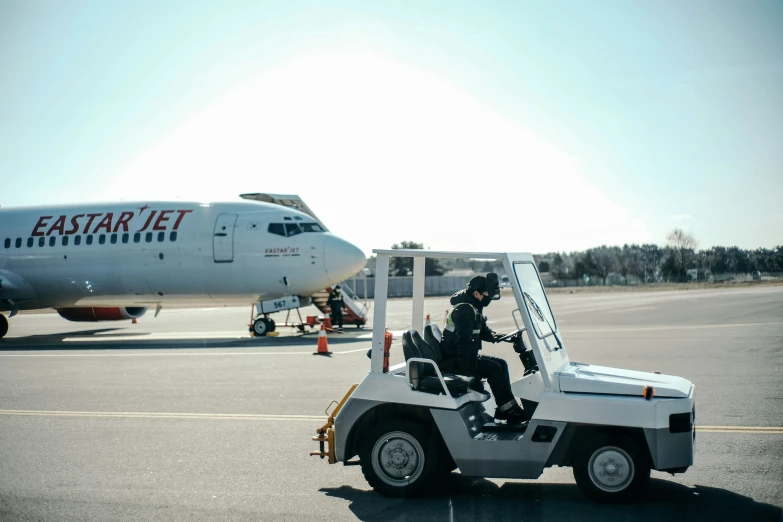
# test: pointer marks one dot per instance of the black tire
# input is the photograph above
(271, 324)
(3, 326)
(611, 468)
(403, 447)
(261, 327)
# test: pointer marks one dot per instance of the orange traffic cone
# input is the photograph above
(328, 322)
(323, 349)
(427, 321)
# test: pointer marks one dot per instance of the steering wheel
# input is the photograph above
(509, 338)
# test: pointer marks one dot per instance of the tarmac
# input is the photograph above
(187, 417)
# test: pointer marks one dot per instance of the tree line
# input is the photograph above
(677, 261)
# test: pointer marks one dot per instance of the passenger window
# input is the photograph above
(41, 241)
(8, 242)
(311, 227)
(113, 238)
(102, 239)
(161, 237)
(148, 237)
(52, 240)
(173, 236)
(292, 229)
(137, 237)
(89, 240)
(125, 237)
(65, 240)
(30, 242)
(18, 242)
(77, 240)
(276, 228)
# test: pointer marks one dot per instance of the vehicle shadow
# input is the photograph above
(464, 498)
(104, 339)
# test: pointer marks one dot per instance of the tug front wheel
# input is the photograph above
(3, 326)
(611, 468)
(399, 458)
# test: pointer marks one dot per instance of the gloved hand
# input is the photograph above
(496, 337)
(519, 344)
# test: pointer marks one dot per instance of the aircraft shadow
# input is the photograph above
(54, 342)
(471, 499)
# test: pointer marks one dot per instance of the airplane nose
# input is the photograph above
(342, 259)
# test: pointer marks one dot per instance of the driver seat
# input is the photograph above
(422, 375)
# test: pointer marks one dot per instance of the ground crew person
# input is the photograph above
(335, 301)
(465, 328)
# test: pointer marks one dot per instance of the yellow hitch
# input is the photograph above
(326, 434)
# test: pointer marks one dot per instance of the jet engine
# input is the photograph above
(101, 313)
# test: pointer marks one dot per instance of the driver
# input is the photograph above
(465, 329)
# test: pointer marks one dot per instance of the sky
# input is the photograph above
(494, 126)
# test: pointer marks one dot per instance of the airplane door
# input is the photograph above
(223, 240)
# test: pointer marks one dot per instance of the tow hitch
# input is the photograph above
(326, 433)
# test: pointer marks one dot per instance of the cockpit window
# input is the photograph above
(311, 227)
(292, 229)
(276, 228)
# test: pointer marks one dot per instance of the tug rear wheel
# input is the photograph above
(3, 326)
(399, 458)
(611, 468)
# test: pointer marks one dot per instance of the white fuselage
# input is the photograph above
(165, 253)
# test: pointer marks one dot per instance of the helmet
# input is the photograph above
(478, 284)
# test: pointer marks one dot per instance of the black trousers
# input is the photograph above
(337, 316)
(495, 370)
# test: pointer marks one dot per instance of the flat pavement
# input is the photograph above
(187, 417)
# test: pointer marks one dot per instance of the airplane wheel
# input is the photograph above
(3, 326)
(261, 327)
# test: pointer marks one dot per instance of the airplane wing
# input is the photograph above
(286, 200)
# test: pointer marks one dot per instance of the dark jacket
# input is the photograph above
(462, 341)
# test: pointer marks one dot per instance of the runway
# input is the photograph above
(187, 417)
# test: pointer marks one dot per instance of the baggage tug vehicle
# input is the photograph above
(412, 424)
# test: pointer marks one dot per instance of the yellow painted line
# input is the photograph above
(290, 418)
(664, 327)
(162, 415)
(167, 354)
(749, 432)
(740, 429)
(762, 428)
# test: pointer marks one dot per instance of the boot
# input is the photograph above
(513, 416)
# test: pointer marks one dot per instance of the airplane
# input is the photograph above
(113, 261)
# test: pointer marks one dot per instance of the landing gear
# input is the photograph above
(262, 326)
(3, 326)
